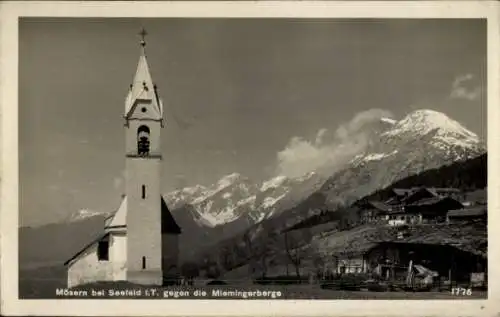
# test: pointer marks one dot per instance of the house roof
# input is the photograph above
(392, 200)
(468, 212)
(355, 251)
(434, 191)
(445, 190)
(380, 205)
(438, 245)
(433, 200)
(385, 208)
(402, 191)
(416, 191)
(426, 201)
(362, 248)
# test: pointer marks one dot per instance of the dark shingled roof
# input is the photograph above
(356, 251)
(433, 200)
(386, 208)
(380, 206)
(403, 191)
(436, 246)
(445, 190)
(469, 212)
(433, 190)
(368, 246)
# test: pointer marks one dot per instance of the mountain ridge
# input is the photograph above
(230, 205)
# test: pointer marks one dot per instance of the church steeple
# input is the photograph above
(143, 91)
(140, 243)
(143, 157)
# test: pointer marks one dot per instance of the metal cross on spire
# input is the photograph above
(143, 34)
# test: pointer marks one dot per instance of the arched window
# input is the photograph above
(143, 140)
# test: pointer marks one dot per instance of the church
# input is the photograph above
(140, 242)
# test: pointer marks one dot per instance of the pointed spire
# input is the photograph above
(143, 87)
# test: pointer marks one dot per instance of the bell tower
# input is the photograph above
(143, 124)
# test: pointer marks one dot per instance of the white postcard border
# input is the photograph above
(9, 13)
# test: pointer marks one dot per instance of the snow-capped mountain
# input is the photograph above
(448, 132)
(433, 130)
(424, 139)
(83, 214)
(235, 196)
(233, 204)
(388, 120)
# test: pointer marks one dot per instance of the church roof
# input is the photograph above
(168, 223)
(119, 218)
(118, 221)
(87, 246)
(143, 89)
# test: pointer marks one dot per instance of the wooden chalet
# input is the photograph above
(411, 206)
(433, 209)
(374, 211)
(392, 257)
(391, 260)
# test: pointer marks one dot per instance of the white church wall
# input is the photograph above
(87, 269)
(118, 255)
(143, 215)
(151, 112)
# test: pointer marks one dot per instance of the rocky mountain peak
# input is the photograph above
(424, 121)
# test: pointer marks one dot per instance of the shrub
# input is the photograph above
(330, 285)
(352, 282)
(280, 280)
(377, 286)
(216, 282)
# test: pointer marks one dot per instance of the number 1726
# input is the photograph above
(461, 291)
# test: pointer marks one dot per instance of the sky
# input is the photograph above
(259, 97)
